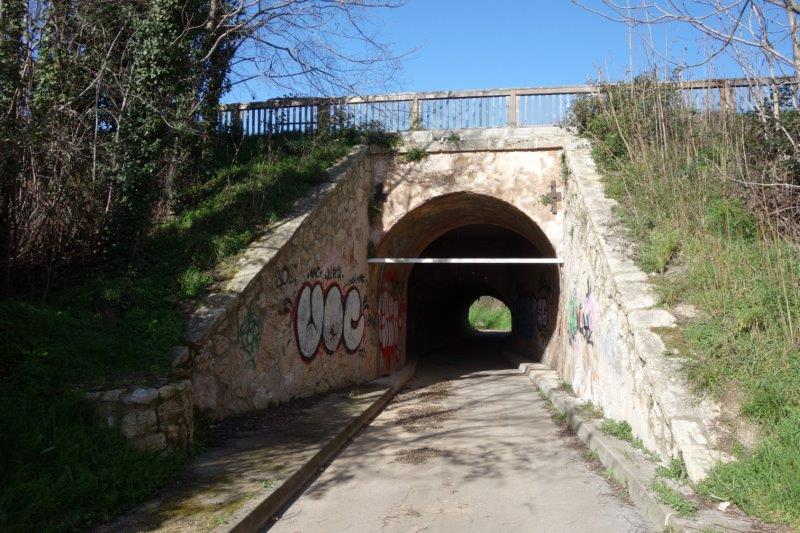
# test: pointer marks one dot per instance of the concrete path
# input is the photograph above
(469, 446)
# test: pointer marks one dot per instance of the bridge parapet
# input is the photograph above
(455, 110)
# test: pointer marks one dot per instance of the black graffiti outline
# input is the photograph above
(320, 334)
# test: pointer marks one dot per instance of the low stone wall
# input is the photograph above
(612, 356)
(152, 418)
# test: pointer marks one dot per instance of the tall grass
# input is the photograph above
(677, 173)
(488, 313)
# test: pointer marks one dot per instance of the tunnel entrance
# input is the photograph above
(441, 295)
(440, 257)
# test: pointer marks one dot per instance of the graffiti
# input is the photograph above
(309, 314)
(353, 328)
(389, 326)
(327, 318)
(333, 319)
(284, 277)
(360, 278)
(390, 313)
(249, 334)
(581, 316)
(587, 315)
(333, 272)
(314, 273)
(572, 317)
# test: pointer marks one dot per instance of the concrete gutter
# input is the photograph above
(258, 513)
(627, 465)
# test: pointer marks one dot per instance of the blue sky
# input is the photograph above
(466, 44)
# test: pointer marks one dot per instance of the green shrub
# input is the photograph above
(416, 154)
(659, 249)
(193, 282)
(728, 217)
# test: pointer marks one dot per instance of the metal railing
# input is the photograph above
(449, 110)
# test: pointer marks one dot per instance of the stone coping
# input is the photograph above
(485, 140)
(214, 307)
(693, 418)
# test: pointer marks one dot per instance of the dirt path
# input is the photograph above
(464, 448)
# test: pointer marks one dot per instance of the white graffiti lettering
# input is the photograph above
(327, 318)
(353, 320)
(309, 319)
(334, 318)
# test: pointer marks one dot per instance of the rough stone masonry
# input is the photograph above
(304, 311)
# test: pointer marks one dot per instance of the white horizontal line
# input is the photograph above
(469, 260)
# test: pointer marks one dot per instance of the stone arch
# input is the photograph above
(432, 299)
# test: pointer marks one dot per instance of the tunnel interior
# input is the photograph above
(440, 295)
(432, 300)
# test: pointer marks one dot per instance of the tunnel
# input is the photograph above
(438, 296)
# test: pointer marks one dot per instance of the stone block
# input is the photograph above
(112, 395)
(651, 318)
(141, 396)
(170, 411)
(138, 422)
(180, 356)
(152, 443)
(177, 435)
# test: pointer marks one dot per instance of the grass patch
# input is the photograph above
(677, 501)
(670, 169)
(416, 154)
(62, 471)
(622, 430)
(489, 313)
(590, 410)
(764, 482)
(675, 470)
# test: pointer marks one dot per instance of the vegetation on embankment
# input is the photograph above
(117, 320)
(684, 182)
(487, 313)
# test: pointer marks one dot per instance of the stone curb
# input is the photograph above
(635, 473)
(257, 515)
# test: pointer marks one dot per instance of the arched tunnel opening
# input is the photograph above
(440, 295)
(437, 296)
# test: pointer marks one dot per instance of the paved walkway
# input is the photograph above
(469, 446)
(248, 457)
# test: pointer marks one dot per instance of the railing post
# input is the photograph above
(513, 105)
(416, 115)
(323, 116)
(726, 97)
(237, 127)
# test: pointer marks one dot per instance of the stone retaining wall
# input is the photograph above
(612, 356)
(152, 418)
(293, 319)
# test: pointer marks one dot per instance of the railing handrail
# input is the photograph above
(278, 103)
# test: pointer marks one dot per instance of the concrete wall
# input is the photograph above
(612, 356)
